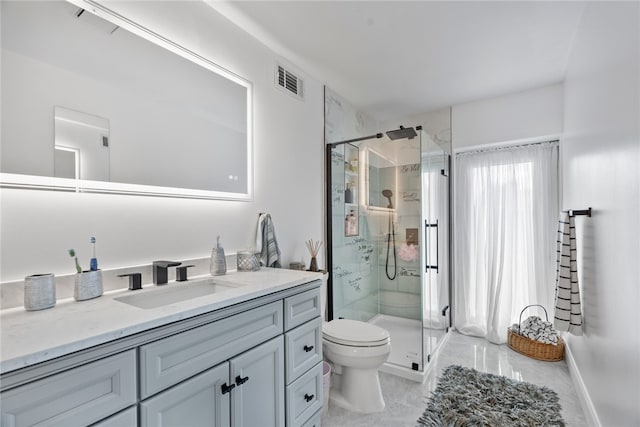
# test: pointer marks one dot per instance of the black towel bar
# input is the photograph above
(574, 212)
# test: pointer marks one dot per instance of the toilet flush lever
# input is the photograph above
(307, 348)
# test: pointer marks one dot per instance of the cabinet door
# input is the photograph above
(258, 398)
(196, 402)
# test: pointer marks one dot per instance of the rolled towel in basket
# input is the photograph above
(537, 329)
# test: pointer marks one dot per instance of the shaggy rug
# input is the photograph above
(466, 397)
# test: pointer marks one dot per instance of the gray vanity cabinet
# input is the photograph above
(256, 398)
(246, 389)
(253, 364)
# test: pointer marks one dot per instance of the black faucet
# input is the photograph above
(135, 280)
(181, 273)
(160, 271)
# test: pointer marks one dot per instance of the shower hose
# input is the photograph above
(391, 241)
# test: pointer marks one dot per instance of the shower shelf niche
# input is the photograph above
(351, 187)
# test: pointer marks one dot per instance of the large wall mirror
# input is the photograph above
(94, 102)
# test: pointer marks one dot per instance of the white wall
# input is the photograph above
(528, 114)
(600, 155)
(39, 226)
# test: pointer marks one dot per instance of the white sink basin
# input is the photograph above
(171, 294)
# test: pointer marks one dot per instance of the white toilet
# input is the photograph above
(356, 350)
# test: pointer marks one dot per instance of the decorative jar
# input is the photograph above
(248, 261)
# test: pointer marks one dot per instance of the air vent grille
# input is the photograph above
(289, 82)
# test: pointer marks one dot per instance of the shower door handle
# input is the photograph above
(427, 228)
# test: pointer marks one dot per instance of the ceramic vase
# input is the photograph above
(39, 292)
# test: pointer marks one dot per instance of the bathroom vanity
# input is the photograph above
(248, 354)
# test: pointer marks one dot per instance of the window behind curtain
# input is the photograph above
(506, 210)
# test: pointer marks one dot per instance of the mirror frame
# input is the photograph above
(10, 180)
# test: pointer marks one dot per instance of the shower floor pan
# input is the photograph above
(406, 336)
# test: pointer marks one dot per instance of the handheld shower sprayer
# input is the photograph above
(388, 194)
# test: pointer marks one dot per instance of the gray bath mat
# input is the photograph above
(466, 397)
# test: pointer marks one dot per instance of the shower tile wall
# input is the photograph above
(400, 297)
(355, 281)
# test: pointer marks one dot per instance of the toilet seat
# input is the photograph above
(353, 333)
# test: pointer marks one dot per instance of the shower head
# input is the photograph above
(388, 194)
(402, 133)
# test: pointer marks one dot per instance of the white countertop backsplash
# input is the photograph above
(12, 293)
(30, 337)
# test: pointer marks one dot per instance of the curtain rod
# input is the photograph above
(516, 144)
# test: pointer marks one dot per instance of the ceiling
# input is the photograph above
(394, 59)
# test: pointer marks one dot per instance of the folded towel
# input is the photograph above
(266, 242)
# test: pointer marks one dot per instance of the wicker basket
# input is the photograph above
(532, 348)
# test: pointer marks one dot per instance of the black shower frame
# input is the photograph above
(329, 214)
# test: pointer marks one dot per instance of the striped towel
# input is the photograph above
(266, 242)
(568, 315)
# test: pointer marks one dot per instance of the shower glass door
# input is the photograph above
(376, 264)
(435, 209)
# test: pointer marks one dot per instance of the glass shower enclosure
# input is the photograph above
(388, 241)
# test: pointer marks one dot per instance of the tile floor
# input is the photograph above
(405, 399)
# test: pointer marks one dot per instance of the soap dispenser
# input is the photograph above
(218, 261)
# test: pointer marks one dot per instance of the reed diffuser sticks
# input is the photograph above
(314, 249)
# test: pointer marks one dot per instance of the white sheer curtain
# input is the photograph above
(506, 212)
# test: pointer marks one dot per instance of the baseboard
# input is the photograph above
(581, 390)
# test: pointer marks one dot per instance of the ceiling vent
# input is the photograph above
(289, 82)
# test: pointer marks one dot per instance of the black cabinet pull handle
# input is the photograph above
(240, 381)
(308, 397)
(227, 388)
(307, 348)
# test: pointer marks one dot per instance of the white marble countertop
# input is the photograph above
(30, 337)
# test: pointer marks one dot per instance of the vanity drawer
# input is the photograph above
(315, 420)
(303, 347)
(77, 397)
(168, 361)
(301, 308)
(304, 397)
